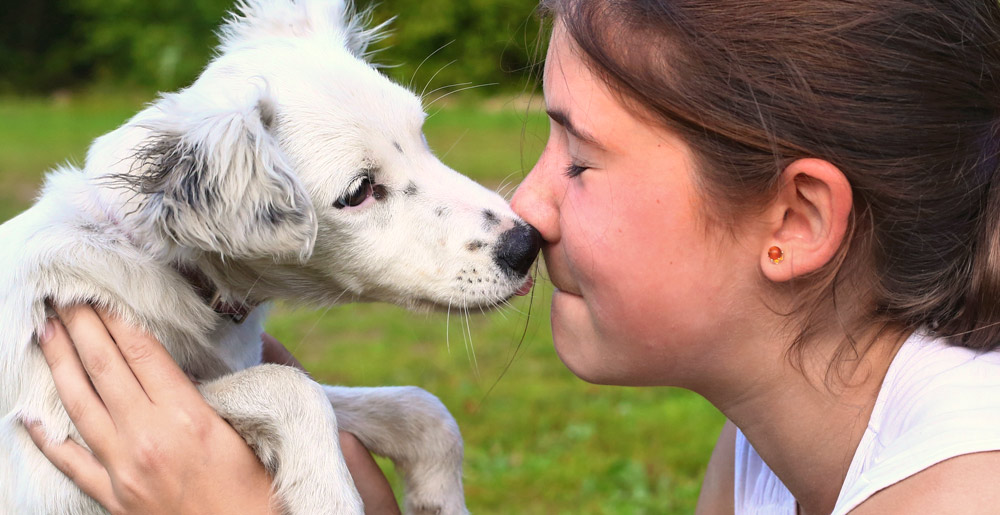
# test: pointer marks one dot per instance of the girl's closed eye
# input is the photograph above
(574, 170)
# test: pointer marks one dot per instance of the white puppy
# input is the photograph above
(290, 169)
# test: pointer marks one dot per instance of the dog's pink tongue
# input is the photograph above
(526, 287)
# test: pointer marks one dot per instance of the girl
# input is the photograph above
(787, 207)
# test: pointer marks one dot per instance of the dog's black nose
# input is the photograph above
(517, 249)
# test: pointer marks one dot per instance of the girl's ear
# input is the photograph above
(808, 220)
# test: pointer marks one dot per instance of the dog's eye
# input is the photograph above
(356, 195)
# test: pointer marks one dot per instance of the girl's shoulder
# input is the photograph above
(962, 484)
(937, 402)
(932, 384)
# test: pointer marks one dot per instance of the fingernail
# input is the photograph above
(48, 331)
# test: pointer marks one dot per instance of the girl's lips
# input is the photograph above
(566, 292)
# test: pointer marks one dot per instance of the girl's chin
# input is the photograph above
(569, 314)
(583, 365)
(575, 342)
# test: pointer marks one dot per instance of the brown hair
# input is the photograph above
(902, 95)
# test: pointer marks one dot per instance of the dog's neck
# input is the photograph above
(199, 281)
(235, 311)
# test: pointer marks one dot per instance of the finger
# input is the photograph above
(84, 406)
(152, 366)
(79, 465)
(371, 483)
(111, 376)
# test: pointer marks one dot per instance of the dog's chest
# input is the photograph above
(238, 346)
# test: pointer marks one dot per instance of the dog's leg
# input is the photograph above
(288, 421)
(415, 430)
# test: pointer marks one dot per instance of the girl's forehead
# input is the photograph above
(580, 101)
(563, 71)
(552, 55)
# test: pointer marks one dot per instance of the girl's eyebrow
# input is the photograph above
(562, 119)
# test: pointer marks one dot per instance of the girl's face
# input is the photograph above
(645, 291)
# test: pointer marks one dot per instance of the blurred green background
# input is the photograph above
(538, 440)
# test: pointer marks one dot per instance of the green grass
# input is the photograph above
(538, 440)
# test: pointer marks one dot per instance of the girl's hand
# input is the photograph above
(157, 445)
(368, 478)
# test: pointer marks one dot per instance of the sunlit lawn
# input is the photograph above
(538, 440)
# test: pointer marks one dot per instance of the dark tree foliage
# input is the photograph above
(49, 45)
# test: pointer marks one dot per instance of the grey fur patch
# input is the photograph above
(398, 147)
(274, 215)
(492, 220)
(171, 168)
(411, 189)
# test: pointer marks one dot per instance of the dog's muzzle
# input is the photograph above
(517, 249)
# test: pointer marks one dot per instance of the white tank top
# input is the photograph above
(937, 402)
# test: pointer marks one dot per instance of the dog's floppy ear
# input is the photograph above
(214, 179)
(257, 19)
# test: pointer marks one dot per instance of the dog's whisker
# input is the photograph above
(309, 332)
(441, 69)
(453, 145)
(327, 310)
(409, 85)
(511, 175)
(511, 307)
(500, 312)
(470, 346)
(508, 305)
(509, 181)
(503, 306)
(250, 289)
(463, 310)
(506, 190)
(505, 182)
(465, 337)
(459, 90)
(447, 327)
(435, 90)
(502, 187)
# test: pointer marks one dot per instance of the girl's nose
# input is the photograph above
(536, 204)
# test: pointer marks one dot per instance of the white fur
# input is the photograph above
(237, 176)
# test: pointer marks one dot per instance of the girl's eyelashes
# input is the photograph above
(575, 170)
